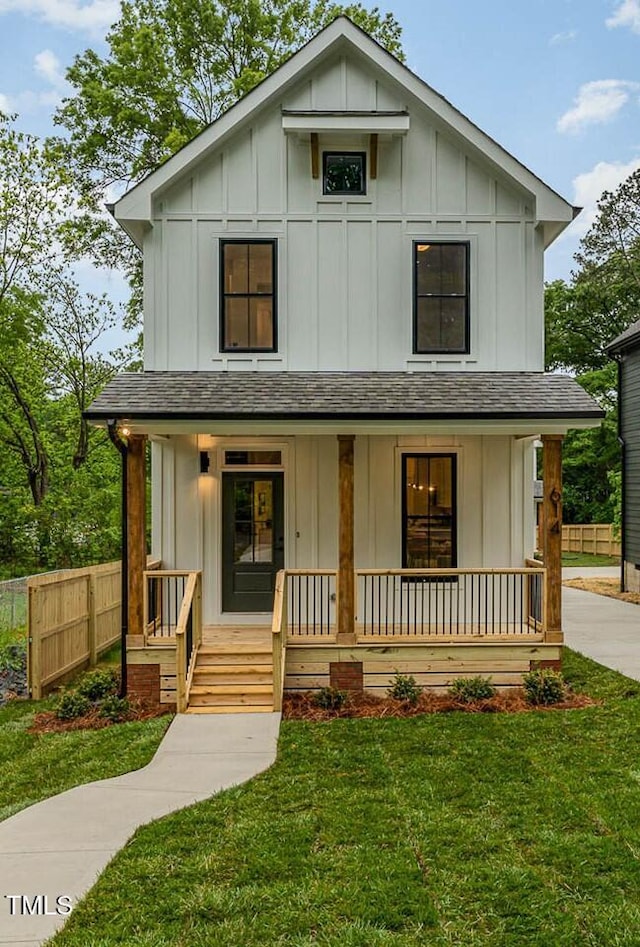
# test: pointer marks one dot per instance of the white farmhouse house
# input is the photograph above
(344, 378)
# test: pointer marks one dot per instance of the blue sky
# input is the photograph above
(556, 82)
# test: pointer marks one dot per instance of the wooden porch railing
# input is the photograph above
(164, 591)
(312, 599)
(450, 603)
(426, 603)
(173, 614)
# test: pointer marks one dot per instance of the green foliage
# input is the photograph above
(98, 684)
(615, 497)
(115, 709)
(13, 655)
(71, 704)
(405, 687)
(59, 479)
(582, 317)
(543, 687)
(469, 689)
(174, 66)
(329, 698)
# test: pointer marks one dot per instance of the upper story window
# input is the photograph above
(344, 172)
(441, 297)
(248, 296)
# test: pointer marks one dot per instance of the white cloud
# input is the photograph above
(596, 102)
(94, 17)
(47, 67)
(627, 14)
(589, 187)
(565, 37)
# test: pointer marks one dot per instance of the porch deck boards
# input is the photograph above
(222, 635)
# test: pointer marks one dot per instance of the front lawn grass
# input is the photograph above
(452, 829)
(35, 766)
(587, 559)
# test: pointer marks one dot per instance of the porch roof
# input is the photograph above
(359, 396)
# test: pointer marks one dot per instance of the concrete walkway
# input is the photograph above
(58, 847)
(602, 628)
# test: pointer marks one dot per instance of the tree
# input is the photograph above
(75, 323)
(582, 317)
(603, 297)
(613, 242)
(175, 65)
(49, 366)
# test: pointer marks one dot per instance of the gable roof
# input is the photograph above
(134, 209)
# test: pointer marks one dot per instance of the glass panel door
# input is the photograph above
(252, 539)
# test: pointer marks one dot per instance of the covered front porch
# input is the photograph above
(403, 541)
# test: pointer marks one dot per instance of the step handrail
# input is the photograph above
(188, 638)
(279, 631)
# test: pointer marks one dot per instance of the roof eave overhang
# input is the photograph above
(623, 345)
(292, 424)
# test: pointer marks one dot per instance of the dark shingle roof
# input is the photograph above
(359, 395)
(626, 339)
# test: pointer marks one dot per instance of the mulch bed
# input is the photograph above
(47, 722)
(603, 586)
(302, 706)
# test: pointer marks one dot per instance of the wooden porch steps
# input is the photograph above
(232, 678)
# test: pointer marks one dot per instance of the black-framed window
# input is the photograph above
(248, 296)
(440, 297)
(429, 514)
(344, 172)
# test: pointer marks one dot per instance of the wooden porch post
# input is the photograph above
(552, 532)
(136, 529)
(346, 603)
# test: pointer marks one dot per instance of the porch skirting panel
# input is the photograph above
(309, 666)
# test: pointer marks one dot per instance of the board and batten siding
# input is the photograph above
(494, 492)
(344, 265)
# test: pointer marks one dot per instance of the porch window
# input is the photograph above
(429, 511)
(248, 296)
(441, 297)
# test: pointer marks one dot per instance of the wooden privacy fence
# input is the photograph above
(73, 617)
(595, 538)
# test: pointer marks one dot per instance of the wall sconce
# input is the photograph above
(204, 462)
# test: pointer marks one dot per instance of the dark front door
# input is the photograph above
(252, 539)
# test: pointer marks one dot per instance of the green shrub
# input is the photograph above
(115, 708)
(96, 685)
(13, 657)
(405, 687)
(469, 689)
(329, 698)
(544, 686)
(71, 705)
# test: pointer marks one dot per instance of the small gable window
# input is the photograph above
(441, 297)
(248, 296)
(344, 172)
